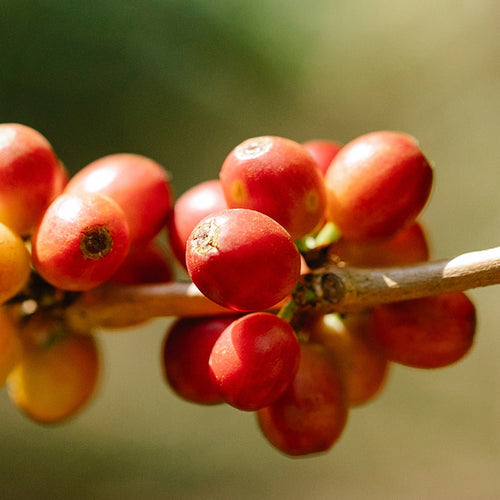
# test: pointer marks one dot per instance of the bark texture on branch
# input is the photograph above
(342, 289)
(328, 289)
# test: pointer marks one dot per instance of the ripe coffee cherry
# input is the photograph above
(409, 246)
(278, 177)
(192, 206)
(138, 184)
(377, 185)
(311, 415)
(57, 374)
(15, 263)
(10, 346)
(185, 353)
(363, 362)
(323, 151)
(81, 241)
(430, 332)
(29, 176)
(242, 259)
(144, 263)
(254, 360)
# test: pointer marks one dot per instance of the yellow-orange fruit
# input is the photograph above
(57, 374)
(14, 263)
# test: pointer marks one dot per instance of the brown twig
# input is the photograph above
(333, 288)
(117, 306)
(328, 289)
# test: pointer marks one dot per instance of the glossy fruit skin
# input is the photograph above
(377, 185)
(185, 353)
(362, 360)
(409, 246)
(430, 332)
(311, 415)
(57, 374)
(323, 151)
(193, 205)
(59, 252)
(242, 259)
(278, 177)
(10, 346)
(144, 263)
(29, 176)
(254, 360)
(15, 263)
(138, 184)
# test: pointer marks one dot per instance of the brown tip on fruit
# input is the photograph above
(95, 242)
(206, 237)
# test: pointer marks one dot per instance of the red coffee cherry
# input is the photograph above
(278, 177)
(138, 184)
(254, 360)
(185, 353)
(81, 241)
(242, 259)
(377, 185)
(192, 206)
(430, 332)
(363, 363)
(323, 151)
(409, 246)
(311, 415)
(30, 176)
(144, 263)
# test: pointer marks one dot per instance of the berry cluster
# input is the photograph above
(60, 236)
(278, 210)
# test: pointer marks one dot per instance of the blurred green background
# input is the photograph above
(184, 82)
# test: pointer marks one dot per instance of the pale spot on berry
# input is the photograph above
(311, 201)
(205, 237)
(252, 148)
(238, 192)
